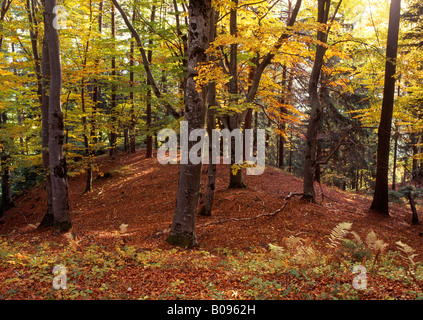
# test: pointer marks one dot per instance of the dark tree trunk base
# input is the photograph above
(47, 221)
(237, 185)
(185, 240)
(204, 212)
(62, 226)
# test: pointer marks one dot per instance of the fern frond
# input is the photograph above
(407, 251)
(339, 233)
(374, 243)
(357, 237)
(276, 249)
(293, 243)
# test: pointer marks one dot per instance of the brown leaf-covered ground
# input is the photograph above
(141, 193)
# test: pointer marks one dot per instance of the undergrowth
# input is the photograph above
(294, 269)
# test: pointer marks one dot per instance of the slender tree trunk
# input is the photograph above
(113, 118)
(415, 162)
(149, 152)
(58, 166)
(394, 169)
(234, 122)
(88, 153)
(380, 198)
(206, 210)
(132, 126)
(310, 156)
(86, 134)
(412, 202)
(183, 225)
(96, 90)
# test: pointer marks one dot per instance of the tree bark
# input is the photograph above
(234, 122)
(6, 192)
(57, 160)
(113, 118)
(149, 153)
(380, 197)
(48, 218)
(415, 216)
(183, 225)
(206, 209)
(394, 169)
(310, 155)
(132, 125)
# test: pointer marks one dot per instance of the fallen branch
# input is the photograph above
(272, 214)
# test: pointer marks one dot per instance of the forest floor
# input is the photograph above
(233, 260)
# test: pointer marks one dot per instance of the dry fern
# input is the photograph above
(374, 243)
(276, 249)
(339, 233)
(407, 252)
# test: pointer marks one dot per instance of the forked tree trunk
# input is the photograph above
(57, 160)
(380, 197)
(182, 232)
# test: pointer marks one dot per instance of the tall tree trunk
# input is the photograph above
(113, 118)
(380, 197)
(48, 218)
(149, 152)
(96, 90)
(132, 125)
(206, 209)
(86, 134)
(6, 192)
(58, 166)
(233, 122)
(310, 155)
(87, 146)
(182, 231)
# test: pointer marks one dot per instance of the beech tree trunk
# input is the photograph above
(183, 226)
(380, 197)
(206, 209)
(57, 160)
(48, 218)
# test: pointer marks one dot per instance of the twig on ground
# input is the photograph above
(272, 214)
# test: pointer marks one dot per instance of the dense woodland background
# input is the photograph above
(337, 85)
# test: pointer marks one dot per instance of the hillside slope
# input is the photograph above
(141, 193)
(233, 260)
